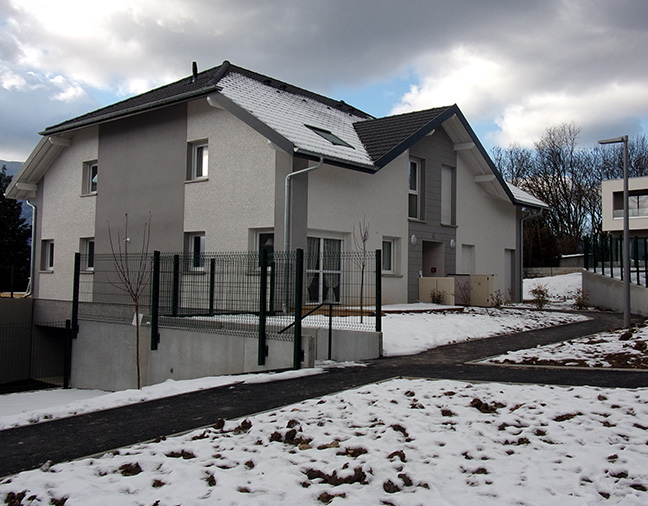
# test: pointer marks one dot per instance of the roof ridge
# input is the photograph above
(291, 88)
(410, 113)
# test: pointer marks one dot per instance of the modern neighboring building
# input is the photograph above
(612, 206)
(212, 156)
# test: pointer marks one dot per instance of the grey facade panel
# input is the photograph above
(142, 169)
(434, 152)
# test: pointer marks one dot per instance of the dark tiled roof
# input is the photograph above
(384, 136)
(182, 89)
(187, 88)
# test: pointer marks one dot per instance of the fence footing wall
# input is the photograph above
(607, 293)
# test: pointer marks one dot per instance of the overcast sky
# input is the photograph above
(514, 67)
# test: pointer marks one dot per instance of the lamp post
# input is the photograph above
(626, 228)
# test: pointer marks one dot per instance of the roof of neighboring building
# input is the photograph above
(526, 199)
(296, 120)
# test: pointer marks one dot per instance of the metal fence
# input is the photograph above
(604, 255)
(249, 294)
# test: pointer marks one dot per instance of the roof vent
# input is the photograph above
(194, 72)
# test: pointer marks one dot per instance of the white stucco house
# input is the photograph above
(208, 156)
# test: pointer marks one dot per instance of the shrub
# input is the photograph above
(437, 296)
(540, 295)
(498, 298)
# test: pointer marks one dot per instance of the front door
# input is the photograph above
(323, 270)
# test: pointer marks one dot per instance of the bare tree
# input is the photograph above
(360, 243)
(133, 273)
(568, 178)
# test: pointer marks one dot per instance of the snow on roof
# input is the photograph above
(290, 114)
(524, 198)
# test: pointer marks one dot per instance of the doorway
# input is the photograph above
(433, 259)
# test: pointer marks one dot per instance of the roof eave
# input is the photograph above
(336, 161)
(131, 111)
(23, 185)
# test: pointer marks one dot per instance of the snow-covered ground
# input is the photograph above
(399, 442)
(619, 349)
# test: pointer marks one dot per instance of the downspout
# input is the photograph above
(30, 285)
(288, 200)
(287, 221)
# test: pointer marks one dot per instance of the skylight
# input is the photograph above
(329, 136)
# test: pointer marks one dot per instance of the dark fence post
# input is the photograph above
(263, 294)
(75, 296)
(175, 296)
(212, 285)
(378, 290)
(586, 248)
(299, 281)
(272, 288)
(155, 301)
(636, 258)
(67, 355)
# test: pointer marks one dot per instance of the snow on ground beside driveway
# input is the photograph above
(619, 349)
(32, 407)
(397, 442)
(407, 334)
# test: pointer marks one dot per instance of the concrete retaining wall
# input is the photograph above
(607, 293)
(348, 345)
(104, 354)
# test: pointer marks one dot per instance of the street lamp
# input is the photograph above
(626, 228)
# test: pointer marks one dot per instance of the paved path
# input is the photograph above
(65, 439)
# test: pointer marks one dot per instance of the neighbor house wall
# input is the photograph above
(608, 188)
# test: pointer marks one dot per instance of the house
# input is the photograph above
(229, 160)
(208, 156)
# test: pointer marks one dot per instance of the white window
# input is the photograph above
(198, 160)
(90, 175)
(447, 195)
(195, 249)
(47, 255)
(87, 250)
(323, 270)
(414, 205)
(388, 256)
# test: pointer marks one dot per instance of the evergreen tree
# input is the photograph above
(15, 236)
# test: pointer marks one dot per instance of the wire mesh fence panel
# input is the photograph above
(221, 292)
